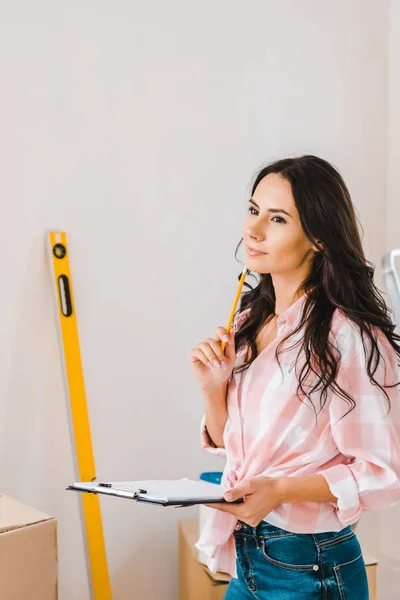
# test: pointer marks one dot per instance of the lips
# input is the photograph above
(253, 252)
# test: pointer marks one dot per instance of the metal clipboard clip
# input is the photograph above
(106, 488)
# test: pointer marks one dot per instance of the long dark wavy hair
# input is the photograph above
(340, 278)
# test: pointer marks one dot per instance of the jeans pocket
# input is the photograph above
(294, 552)
(351, 579)
(338, 538)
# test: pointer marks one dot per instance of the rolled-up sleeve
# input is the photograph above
(368, 438)
(206, 441)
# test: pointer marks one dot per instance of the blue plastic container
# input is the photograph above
(212, 477)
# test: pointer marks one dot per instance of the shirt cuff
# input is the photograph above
(207, 443)
(342, 484)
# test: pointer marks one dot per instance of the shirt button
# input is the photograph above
(315, 567)
(238, 526)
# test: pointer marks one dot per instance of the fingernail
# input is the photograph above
(228, 496)
(224, 365)
(209, 364)
(225, 338)
(216, 363)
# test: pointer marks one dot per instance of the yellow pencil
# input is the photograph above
(236, 300)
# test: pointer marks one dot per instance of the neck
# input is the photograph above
(285, 295)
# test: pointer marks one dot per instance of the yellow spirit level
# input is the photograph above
(78, 412)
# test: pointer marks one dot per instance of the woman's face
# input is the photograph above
(273, 227)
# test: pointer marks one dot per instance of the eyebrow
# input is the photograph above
(272, 210)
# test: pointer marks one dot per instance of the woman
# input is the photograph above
(312, 339)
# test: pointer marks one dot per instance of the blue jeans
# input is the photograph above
(275, 564)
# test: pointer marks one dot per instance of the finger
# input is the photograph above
(216, 346)
(209, 352)
(198, 355)
(222, 334)
(230, 351)
(245, 488)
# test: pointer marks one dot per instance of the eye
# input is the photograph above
(250, 209)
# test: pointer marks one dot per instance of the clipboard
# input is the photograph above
(177, 493)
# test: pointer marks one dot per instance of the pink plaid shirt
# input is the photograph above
(269, 431)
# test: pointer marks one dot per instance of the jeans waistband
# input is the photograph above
(265, 529)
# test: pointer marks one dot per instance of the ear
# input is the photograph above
(317, 247)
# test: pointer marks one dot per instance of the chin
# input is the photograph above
(257, 264)
(257, 269)
(258, 272)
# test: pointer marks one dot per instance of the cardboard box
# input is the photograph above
(196, 582)
(28, 552)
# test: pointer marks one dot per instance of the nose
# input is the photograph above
(255, 234)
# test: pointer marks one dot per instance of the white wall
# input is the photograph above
(393, 176)
(136, 127)
(390, 531)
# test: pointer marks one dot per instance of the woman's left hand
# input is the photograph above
(261, 495)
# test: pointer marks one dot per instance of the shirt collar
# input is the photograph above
(292, 315)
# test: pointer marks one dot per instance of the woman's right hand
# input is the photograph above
(206, 356)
